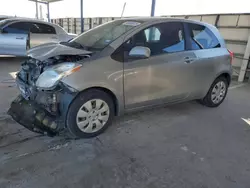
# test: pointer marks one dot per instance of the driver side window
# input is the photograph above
(152, 34)
(160, 39)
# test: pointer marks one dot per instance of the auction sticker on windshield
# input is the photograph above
(131, 23)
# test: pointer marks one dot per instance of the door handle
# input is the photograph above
(19, 38)
(189, 60)
(54, 37)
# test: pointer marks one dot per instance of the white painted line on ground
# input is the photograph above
(13, 74)
(237, 86)
(246, 120)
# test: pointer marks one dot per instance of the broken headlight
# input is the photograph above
(50, 77)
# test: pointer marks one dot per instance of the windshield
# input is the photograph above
(101, 36)
(2, 23)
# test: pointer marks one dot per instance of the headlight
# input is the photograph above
(54, 74)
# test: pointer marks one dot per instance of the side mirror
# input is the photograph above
(140, 52)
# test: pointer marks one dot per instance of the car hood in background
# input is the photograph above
(46, 51)
(72, 35)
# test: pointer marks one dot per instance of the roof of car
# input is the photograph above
(153, 19)
(147, 18)
(27, 20)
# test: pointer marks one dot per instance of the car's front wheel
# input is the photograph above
(90, 114)
(217, 93)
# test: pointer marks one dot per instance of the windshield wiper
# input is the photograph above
(77, 44)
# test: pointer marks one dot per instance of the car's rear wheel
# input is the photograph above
(90, 114)
(217, 93)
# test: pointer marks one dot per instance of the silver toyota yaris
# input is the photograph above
(77, 87)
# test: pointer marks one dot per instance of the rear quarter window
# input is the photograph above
(44, 29)
(202, 37)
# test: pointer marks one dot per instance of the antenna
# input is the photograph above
(123, 9)
(41, 12)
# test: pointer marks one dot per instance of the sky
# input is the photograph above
(113, 8)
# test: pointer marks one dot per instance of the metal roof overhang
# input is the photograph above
(47, 2)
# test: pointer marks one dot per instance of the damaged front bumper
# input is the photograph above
(45, 112)
(33, 117)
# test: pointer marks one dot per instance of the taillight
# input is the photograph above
(231, 55)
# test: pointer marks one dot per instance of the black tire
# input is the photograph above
(207, 100)
(82, 98)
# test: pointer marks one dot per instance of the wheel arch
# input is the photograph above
(222, 74)
(225, 75)
(109, 92)
(206, 100)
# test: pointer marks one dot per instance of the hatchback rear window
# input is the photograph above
(202, 37)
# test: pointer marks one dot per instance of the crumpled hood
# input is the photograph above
(45, 51)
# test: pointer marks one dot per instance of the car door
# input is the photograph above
(207, 49)
(42, 33)
(166, 75)
(14, 39)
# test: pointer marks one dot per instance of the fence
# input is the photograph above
(73, 25)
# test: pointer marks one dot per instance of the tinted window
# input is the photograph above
(34, 28)
(162, 38)
(2, 19)
(202, 37)
(19, 27)
(42, 29)
(3, 23)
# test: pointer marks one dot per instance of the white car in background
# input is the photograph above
(17, 35)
